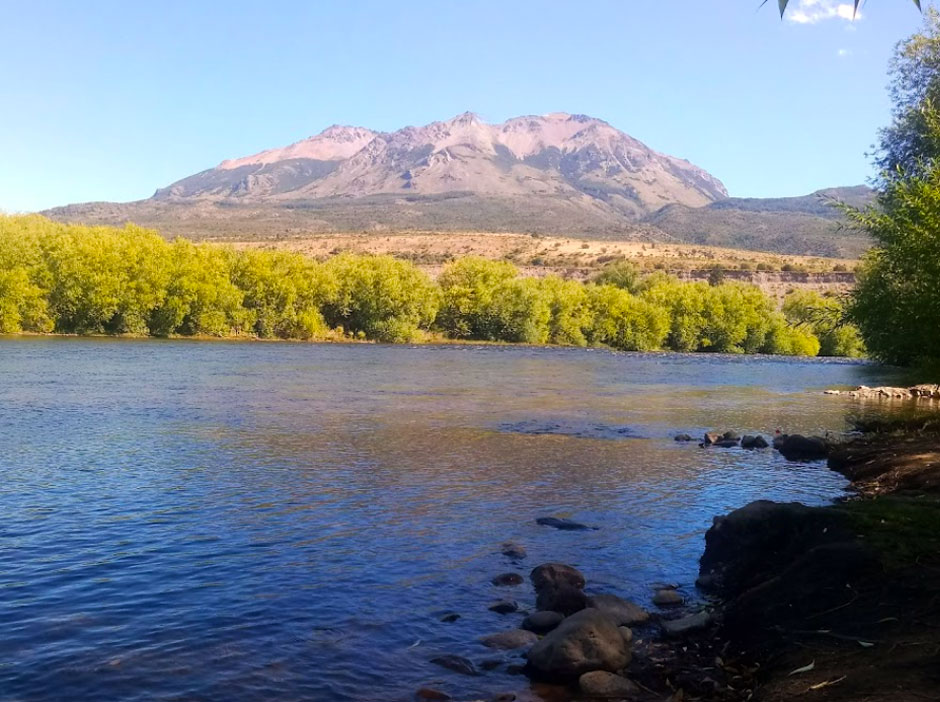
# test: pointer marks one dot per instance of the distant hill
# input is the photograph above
(552, 174)
(807, 225)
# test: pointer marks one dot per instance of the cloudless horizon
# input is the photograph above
(110, 101)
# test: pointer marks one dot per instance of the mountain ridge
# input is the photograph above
(557, 173)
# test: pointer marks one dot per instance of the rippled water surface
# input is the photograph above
(232, 521)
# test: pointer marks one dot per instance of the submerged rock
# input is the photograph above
(504, 607)
(622, 612)
(686, 625)
(601, 684)
(667, 598)
(450, 617)
(584, 642)
(458, 664)
(563, 524)
(513, 550)
(542, 622)
(427, 694)
(508, 580)
(684, 437)
(509, 640)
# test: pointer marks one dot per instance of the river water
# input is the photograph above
(225, 521)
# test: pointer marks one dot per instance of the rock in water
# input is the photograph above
(684, 437)
(563, 524)
(555, 576)
(508, 580)
(667, 598)
(622, 612)
(542, 622)
(427, 694)
(754, 442)
(509, 640)
(458, 664)
(566, 600)
(601, 684)
(803, 448)
(582, 643)
(450, 617)
(513, 550)
(685, 625)
(712, 437)
(504, 607)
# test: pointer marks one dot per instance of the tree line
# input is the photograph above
(71, 279)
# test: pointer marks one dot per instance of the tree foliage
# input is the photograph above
(101, 280)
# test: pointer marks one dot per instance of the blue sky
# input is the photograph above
(111, 100)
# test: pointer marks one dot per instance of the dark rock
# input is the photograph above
(600, 684)
(622, 612)
(731, 436)
(566, 600)
(513, 550)
(754, 442)
(563, 524)
(725, 443)
(684, 437)
(556, 575)
(515, 669)
(667, 598)
(450, 617)
(504, 697)
(491, 663)
(803, 448)
(779, 439)
(542, 622)
(504, 607)
(584, 642)
(427, 694)
(509, 640)
(688, 624)
(458, 664)
(508, 580)
(743, 547)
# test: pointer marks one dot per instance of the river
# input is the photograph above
(186, 520)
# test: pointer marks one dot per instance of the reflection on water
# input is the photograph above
(229, 521)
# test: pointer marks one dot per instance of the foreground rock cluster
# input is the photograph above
(793, 447)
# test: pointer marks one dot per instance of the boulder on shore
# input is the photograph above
(543, 621)
(622, 612)
(509, 640)
(667, 598)
(600, 684)
(582, 643)
(564, 599)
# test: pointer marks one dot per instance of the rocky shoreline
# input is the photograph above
(798, 601)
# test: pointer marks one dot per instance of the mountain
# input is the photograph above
(551, 174)
(573, 157)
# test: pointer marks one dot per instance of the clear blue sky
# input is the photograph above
(110, 100)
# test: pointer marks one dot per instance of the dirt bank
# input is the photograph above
(831, 603)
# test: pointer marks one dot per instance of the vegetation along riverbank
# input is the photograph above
(71, 279)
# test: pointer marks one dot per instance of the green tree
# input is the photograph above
(624, 321)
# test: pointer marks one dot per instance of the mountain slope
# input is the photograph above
(573, 157)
